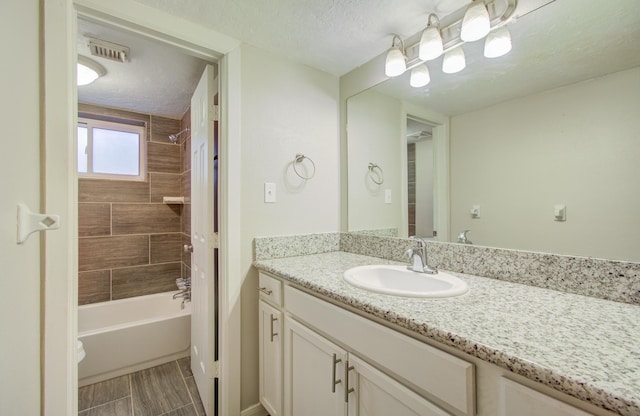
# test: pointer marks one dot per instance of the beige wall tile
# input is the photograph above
(162, 127)
(145, 218)
(144, 280)
(94, 287)
(164, 184)
(186, 123)
(185, 186)
(186, 154)
(103, 190)
(94, 219)
(112, 112)
(96, 253)
(166, 248)
(186, 257)
(163, 158)
(186, 219)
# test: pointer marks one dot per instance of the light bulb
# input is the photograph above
(453, 61)
(395, 64)
(498, 43)
(419, 76)
(430, 44)
(476, 23)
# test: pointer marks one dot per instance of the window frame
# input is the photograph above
(115, 125)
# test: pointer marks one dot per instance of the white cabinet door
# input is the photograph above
(270, 350)
(517, 399)
(376, 394)
(313, 373)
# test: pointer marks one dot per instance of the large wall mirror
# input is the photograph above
(536, 150)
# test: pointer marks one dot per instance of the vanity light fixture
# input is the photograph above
(431, 41)
(498, 43)
(480, 18)
(420, 76)
(88, 70)
(476, 23)
(454, 61)
(395, 63)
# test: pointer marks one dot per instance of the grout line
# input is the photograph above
(184, 381)
(130, 394)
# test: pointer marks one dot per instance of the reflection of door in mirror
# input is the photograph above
(419, 178)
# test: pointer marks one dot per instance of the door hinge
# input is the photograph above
(215, 369)
(214, 241)
(215, 113)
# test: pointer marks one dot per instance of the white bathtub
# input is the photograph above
(132, 334)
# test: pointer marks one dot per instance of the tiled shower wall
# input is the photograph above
(129, 242)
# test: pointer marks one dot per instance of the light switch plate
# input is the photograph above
(387, 196)
(269, 192)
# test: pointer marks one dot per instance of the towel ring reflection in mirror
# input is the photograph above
(376, 174)
(299, 159)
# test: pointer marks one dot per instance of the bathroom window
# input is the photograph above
(110, 150)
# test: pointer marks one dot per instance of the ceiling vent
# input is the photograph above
(108, 50)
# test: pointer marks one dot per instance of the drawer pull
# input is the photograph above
(273, 334)
(265, 291)
(335, 382)
(347, 390)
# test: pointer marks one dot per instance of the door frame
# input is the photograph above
(59, 107)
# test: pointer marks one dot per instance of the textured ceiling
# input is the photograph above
(333, 35)
(564, 42)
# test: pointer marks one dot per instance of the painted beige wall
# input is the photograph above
(374, 135)
(287, 108)
(578, 145)
(19, 164)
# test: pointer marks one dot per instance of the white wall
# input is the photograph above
(578, 145)
(19, 165)
(375, 125)
(287, 108)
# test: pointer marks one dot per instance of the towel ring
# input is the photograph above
(299, 159)
(376, 174)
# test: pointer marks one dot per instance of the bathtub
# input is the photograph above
(128, 335)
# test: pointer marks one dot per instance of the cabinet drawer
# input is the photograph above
(523, 401)
(441, 377)
(270, 289)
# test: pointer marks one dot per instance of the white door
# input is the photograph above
(313, 373)
(203, 297)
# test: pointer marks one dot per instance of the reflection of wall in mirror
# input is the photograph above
(578, 145)
(377, 118)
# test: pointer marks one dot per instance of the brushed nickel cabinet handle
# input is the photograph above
(347, 390)
(265, 291)
(335, 382)
(273, 334)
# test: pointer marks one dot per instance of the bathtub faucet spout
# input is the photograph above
(186, 294)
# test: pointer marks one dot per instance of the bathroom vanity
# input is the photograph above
(327, 347)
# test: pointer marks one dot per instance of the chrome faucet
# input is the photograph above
(185, 290)
(463, 239)
(418, 257)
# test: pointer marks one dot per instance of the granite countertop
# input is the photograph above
(585, 347)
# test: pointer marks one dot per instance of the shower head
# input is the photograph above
(173, 138)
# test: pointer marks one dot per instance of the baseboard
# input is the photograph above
(255, 410)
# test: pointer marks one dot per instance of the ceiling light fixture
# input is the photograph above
(454, 61)
(88, 70)
(396, 63)
(498, 43)
(476, 23)
(431, 41)
(420, 76)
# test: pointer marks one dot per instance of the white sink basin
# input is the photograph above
(399, 281)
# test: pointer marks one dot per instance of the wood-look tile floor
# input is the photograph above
(165, 390)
